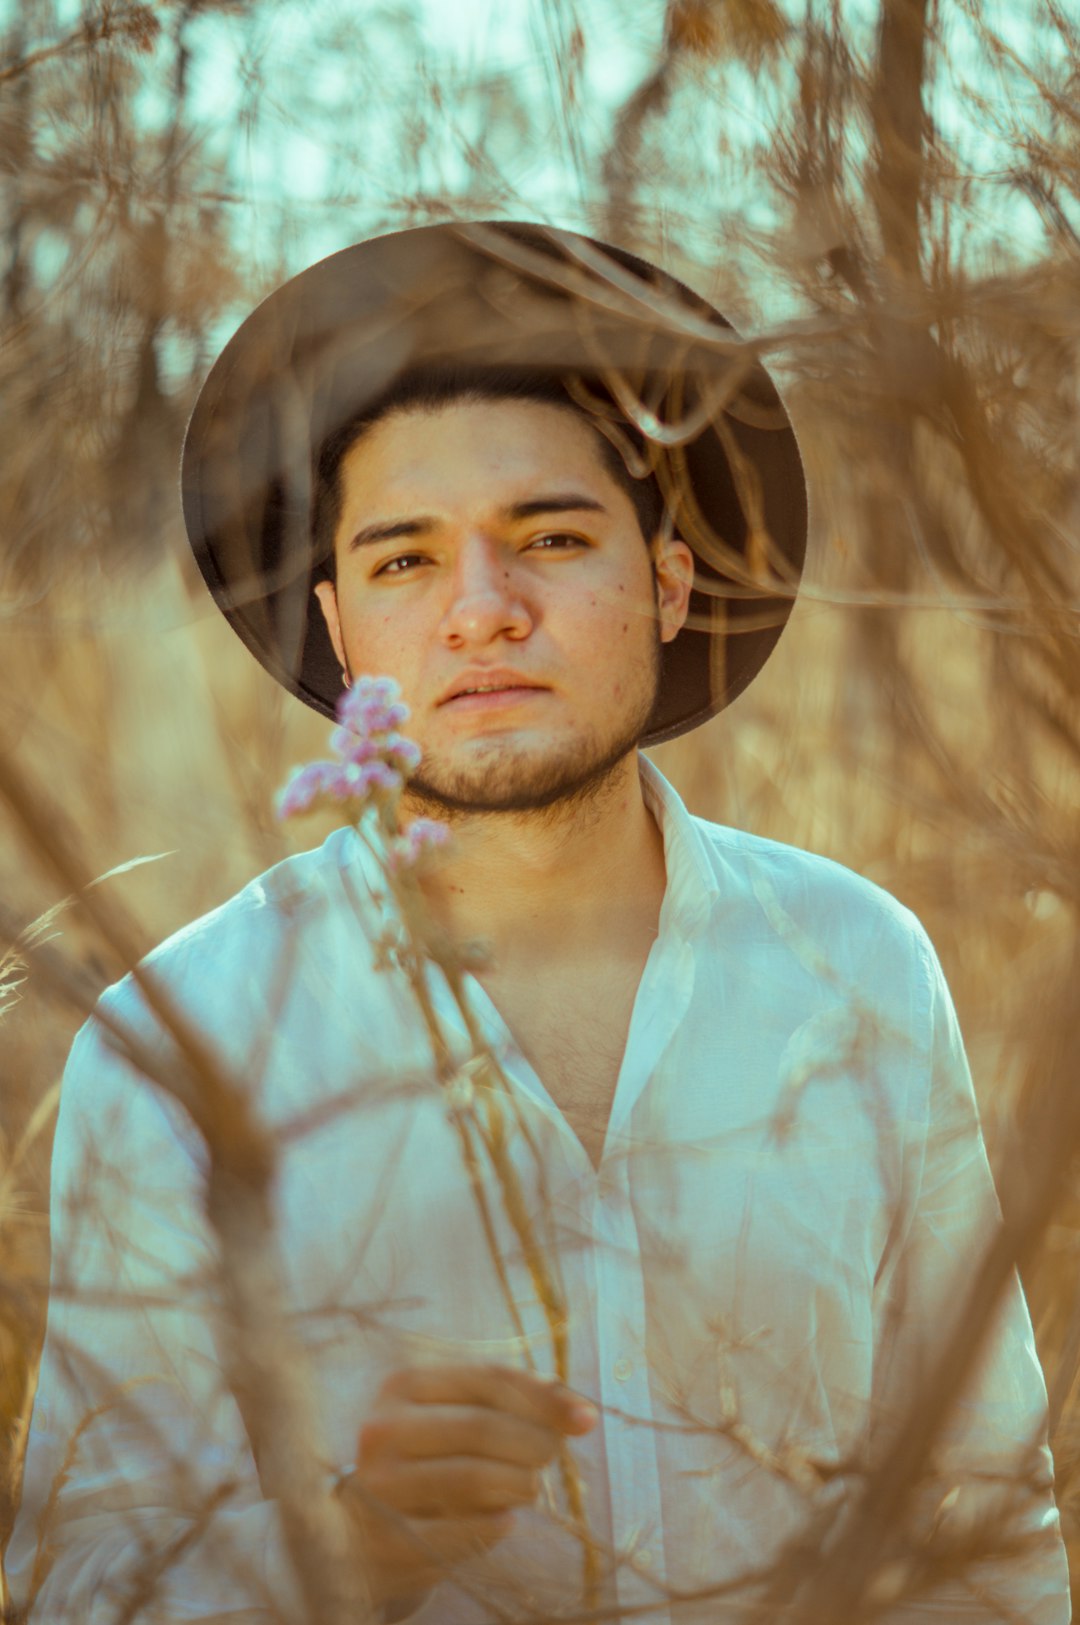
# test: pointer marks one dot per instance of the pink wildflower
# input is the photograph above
(374, 758)
(402, 753)
(372, 706)
(421, 837)
(307, 787)
(426, 832)
(353, 747)
(368, 778)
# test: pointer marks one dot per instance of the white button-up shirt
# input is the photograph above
(792, 1191)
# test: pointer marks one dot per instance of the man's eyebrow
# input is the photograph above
(556, 502)
(388, 529)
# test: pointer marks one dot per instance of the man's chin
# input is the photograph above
(524, 785)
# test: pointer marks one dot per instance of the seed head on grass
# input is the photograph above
(373, 761)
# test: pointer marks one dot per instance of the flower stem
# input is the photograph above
(483, 1070)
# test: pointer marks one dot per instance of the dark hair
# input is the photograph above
(427, 388)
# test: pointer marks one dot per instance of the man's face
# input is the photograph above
(485, 542)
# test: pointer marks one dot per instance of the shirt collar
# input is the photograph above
(692, 883)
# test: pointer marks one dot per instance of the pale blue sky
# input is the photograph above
(318, 165)
(457, 44)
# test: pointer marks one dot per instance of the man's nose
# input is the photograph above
(485, 596)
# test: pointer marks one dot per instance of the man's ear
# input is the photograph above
(674, 567)
(326, 593)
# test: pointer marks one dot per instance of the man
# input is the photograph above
(763, 1178)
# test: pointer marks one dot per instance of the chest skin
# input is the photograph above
(572, 1028)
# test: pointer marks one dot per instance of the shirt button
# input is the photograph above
(622, 1368)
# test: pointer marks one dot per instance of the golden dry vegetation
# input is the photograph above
(920, 721)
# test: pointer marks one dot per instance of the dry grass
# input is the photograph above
(919, 721)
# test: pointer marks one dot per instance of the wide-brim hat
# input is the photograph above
(661, 372)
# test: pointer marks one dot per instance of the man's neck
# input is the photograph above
(546, 890)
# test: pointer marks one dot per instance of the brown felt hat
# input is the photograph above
(662, 373)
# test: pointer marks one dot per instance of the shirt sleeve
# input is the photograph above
(989, 1547)
(139, 1491)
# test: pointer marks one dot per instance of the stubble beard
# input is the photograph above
(559, 784)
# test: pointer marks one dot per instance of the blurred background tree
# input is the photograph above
(887, 192)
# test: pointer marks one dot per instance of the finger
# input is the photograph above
(451, 1486)
(422, 1431)
(499, 1387)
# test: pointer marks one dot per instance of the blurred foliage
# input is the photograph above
(889, 193)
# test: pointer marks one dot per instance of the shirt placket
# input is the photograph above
(625, 1394)
(663, 998)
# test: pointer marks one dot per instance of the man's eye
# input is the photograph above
(398, 565)
(560, 538)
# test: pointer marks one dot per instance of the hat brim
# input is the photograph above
(334, 338)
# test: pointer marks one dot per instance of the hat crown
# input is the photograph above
(629, 341)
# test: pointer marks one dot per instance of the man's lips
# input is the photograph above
(494, 699)
(494, 679)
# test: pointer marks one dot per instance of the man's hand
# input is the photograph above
(451, 1449)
